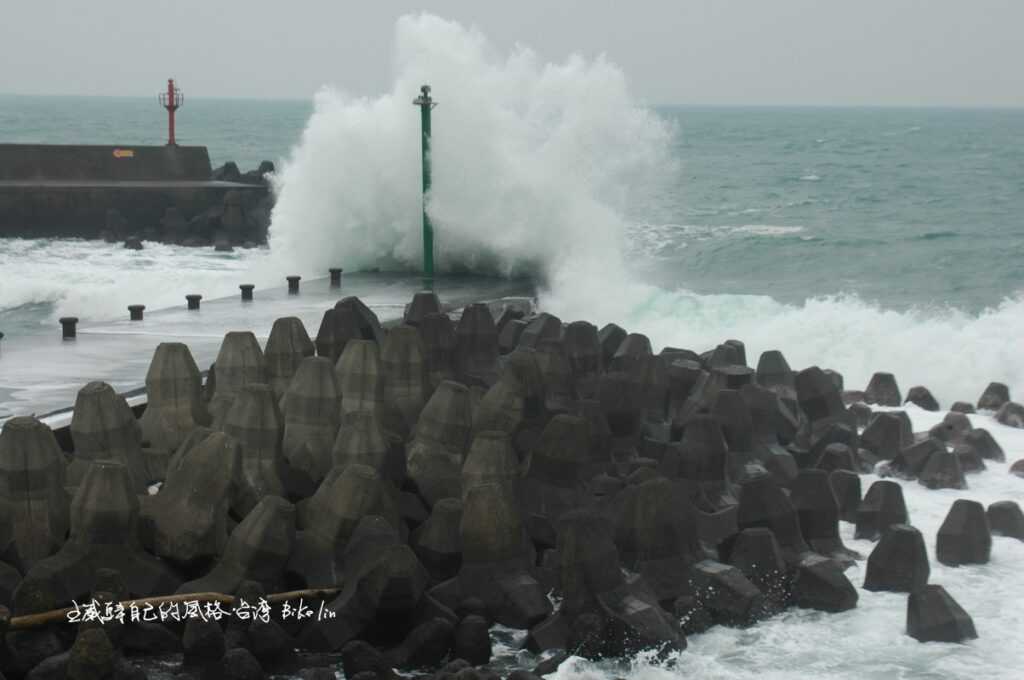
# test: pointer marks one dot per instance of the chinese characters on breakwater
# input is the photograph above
(116, 612)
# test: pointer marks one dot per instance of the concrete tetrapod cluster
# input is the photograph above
(439, 477)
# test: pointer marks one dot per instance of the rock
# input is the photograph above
(426, 646)
(726, 594)
(818, 511)
(311, 411)
(92, 656)
(476, 354)
(1011, 414)
(994, 396)
(656, 535)
(984, 445)
(236, 664)
(239, 362)
(922, 397)
(882, 507)
(965, 536)
(257, 550)
(1006, 519)
(773, 371)
(32, 492)
(360, 657)
(817, 395)
(837, 456)
(203, 642)
(934, 616)
(882, 390)
(899, 562)
(911, 460)
(764, 504)
(440, 443)
(473, 640)
(952, 428)
(846, 486)
(287, 346)
(962, 407)
(592, 581)
(104, 427)
(942, 471)
(820, 584)
(884, 436)
(104, 534)
(174, 391)
(1017, 468)
(189, 516)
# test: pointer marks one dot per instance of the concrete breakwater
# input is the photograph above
(449, 472)
(163, 193)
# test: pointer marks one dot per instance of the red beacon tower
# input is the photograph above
(172, 100)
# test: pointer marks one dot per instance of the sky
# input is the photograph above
(685, 52)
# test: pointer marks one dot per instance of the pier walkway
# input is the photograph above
(41, 373)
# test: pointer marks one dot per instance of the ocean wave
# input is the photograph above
(810, 178)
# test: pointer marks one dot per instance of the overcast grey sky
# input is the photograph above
(826, 52)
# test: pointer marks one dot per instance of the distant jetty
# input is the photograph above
(131, 193)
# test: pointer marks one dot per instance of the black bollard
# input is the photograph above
(135, 312)
(335, 276)
(293, 284)
(246, 289)
(68, 324)
(193, 300)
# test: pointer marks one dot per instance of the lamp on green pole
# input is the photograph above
(426, 103)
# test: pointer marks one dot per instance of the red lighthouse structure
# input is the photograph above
(172, 100)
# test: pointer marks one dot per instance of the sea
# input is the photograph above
(857, 239)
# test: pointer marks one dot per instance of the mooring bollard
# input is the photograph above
(293, 284)
(68, 324)
(135, 312)
(193, 300)
(246, 289)
(335, 276)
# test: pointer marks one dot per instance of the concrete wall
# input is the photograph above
(81, 162)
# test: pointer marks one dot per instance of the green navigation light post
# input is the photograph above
(426, 103)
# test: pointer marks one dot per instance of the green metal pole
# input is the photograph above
(425, 103)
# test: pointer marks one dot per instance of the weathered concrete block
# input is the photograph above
(764, 504)
(819, 583)
(311, 413)
(491, 460)
(583, 350)
(1006, 519)
(726, 593)
(817, 509)
(846, 486)
(174, 392)
(31, 492)
(1011, 414)
(440, 346)
(362, 441)
(257, 550)
(756, 553)
(358, 373)
(883, 506)
(542, 327)
(943, 471)
(965, 536)
(104, 535)
(554, 480)
(817, 395)
(189, 517)
(404, 385)
(610, 337)
(476, 356)
(423, 303)
(883, 390)
(994, 396)
(287, 346)
(559, 389)
(104, 427)
(984, 445)
(440, 443)
(255, 422)
(438, 542)
(239, 362)
(884, 436)
(922, 397)
(773, 371)
(899, 562)
(934, 616)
